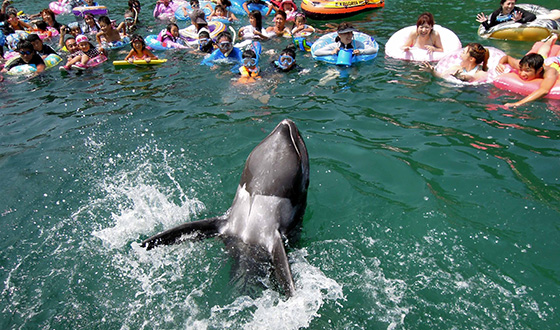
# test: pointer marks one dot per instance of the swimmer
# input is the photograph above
(205, 42)
(219, 13)
(90, 25)
(41, 49)
(290, 8)
(226, 4)
(73, 29)
(127, 27)
(225, 51)
(72, 47)
(87, 51)
(301, 28)
(345, 40)
(108, 33)
(286, 60)
(254, 31)
(533, 66)
(279, 29)
(473, 66)
(139, 50)
(250, 67)
(171, 36)
(15, 23)
(198, 19)
(27, 56)
(507, 12)
(134, 6)
(50, 18)
(164, 9)
(424, 37)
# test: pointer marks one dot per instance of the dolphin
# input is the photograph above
(269, 204)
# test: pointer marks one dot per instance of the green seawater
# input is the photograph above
(429, 206)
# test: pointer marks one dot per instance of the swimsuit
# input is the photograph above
(553, 62)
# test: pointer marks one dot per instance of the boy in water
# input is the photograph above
(532, 66)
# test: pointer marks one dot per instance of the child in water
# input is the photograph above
(225, 4)
(108, 33)
(250, 68)
(170, 36)
(255, 30)
(90, 25)
(473, 66)
(424, 37)
(286, 61)
(87, 51)
(139, 51)
(205, 43)
(301, 28)
(127, 27)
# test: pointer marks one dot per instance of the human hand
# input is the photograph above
(481, 18)
(517, 16)
(130, 60)
(406, 48)
(147, 59)
(511, 105)
(500, 68)
(427, 66)
(430, 49)
(356, 52)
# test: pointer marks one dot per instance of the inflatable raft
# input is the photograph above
(329, 9)
(191, 36)
(536, 30)
(94, 10)
(60, 7)
(511, 81)
(329, 38)
(393, 48)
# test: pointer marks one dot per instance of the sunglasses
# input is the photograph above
(25, 52)
(250, 62)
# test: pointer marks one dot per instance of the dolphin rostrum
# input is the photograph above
(268, 205)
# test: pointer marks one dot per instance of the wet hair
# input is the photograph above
(134, 3)
(94, 21)
(41, 25)
(281, 13)
(226, 3)
(170, 25)
(300, 17)
(225, 34)
(222, 8)
(48, 12)
(343, 26)
(258, 17)
(289, 50)
(533, 61)
(249, 53)
(425, 18)
(32, 37)
(104, 19)
(137, 37)
(209, 47)
(25, 45)
(480, 54)
(193, 2)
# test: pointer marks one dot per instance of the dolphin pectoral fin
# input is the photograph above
(201, 229)
(282, 267)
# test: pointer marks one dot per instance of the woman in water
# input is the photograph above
(473, 66)
(507, 12)
(424, 37)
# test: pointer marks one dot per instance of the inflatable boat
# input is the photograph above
(329, 9)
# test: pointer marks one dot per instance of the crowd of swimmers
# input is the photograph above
(74, 39)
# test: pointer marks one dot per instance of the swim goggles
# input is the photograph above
(203, 41)
(129, 19)
(25, 52)
(225, 45)
(249, 62)
(285, 61)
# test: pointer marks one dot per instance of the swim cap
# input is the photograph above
(81, 38)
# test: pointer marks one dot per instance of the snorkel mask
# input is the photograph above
(284, 61)
(251, 64)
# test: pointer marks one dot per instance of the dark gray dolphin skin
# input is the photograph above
(268, 205)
